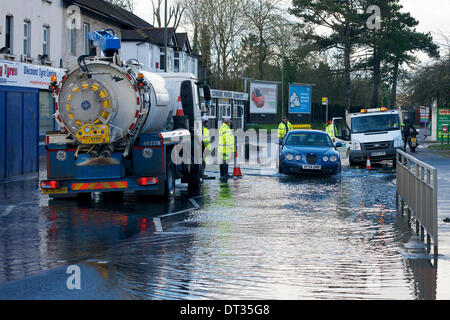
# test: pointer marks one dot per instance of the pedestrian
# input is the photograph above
(206, 136)
(206, 143)
(226, 146)
(329, 130)
(283, 128)
(407, 127)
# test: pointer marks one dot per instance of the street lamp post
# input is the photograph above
(165, 36)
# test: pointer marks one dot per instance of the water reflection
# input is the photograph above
(265, 237)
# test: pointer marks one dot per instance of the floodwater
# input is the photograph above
(265, 236)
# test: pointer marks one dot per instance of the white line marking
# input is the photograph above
(8, 210)
(194, 203)
(158, 226)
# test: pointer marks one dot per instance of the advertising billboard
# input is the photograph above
(263, 97)
(443, 122)
(299, 98)
(27, 75)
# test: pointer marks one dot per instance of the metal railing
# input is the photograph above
(417, 189)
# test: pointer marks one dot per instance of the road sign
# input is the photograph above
(443, 122)
(324, 100)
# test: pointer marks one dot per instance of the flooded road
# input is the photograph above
(265, 236)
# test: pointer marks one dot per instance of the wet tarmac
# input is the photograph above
(264, 236)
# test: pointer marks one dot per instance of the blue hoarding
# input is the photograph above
(299, 98)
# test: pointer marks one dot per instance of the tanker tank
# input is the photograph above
(101, 102)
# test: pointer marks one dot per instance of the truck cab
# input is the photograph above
(374, 133)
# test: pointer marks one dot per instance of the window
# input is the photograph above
(9, 33)
(46, 110)
(211, 111)
(224, 108)
(72, 37)
(26, 38)
(184, 64)
(194, 66)
(150, 59)
(161, 59)
(176, 63)
(86, 30)
(46, 40)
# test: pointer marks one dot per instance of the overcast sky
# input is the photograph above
(433, 15)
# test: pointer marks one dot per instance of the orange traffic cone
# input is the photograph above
(368, 166)
(179, 107)
(237, 170)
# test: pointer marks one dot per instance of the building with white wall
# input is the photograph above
(31, 29)
(147, 46)
(41, 38)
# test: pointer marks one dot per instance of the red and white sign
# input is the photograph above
(19, 74)
(444, 129)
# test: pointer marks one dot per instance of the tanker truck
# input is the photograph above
(118, 126)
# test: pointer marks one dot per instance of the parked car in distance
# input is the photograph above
(309, 152)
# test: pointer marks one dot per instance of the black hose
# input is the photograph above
(83, 67)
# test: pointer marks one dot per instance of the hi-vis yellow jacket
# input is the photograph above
(226, 142)
(283, 128)
(329, 130)
(206, 139)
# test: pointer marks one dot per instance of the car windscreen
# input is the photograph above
(373, 123)
(313, 139)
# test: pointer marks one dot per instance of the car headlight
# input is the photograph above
(356, 145)
(325, 158)
(398, 142)
(333, 158)
(289, 156)
(298, 157)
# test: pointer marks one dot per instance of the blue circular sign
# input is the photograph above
(86, 105)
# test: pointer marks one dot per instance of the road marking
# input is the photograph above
(158, 225)
(192, 201)
(8, 210)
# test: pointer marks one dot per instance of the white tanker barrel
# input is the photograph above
(101, 102)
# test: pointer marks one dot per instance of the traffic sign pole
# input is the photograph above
(325, 103)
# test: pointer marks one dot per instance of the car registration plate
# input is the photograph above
(311, 167)
(377, 154)
(55, 191)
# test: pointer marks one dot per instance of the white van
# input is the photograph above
(374, 133)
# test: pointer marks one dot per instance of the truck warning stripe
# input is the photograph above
(100, 185)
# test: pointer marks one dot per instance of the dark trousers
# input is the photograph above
(224, 170)
(405, 140)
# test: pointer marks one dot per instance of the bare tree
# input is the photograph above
(174, 13)
(125, 4)
(263, 16)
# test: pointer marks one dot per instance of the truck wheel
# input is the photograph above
(196, 175)
(170, 185)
